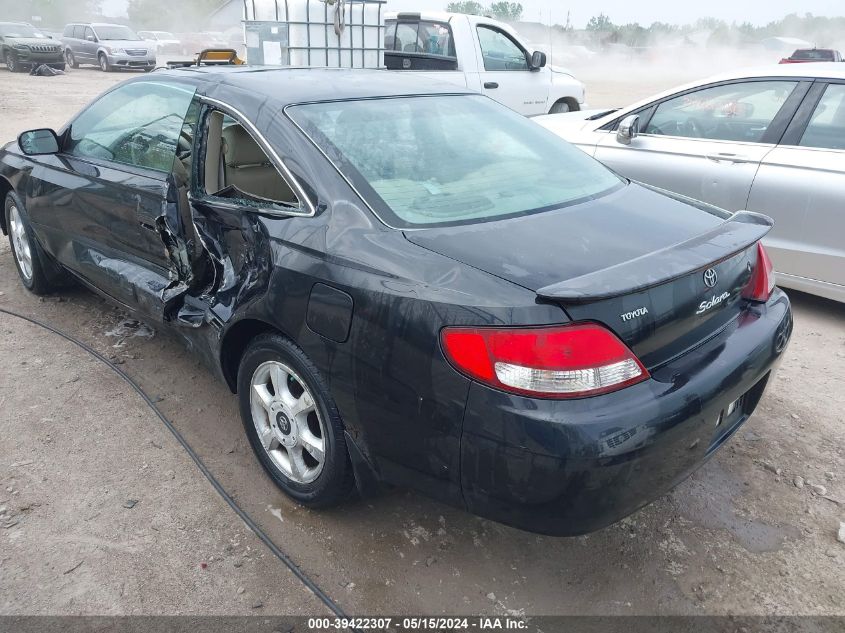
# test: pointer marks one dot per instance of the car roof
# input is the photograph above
(286, 86)
(817, 70)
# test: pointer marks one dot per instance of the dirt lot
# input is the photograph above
(739, 537)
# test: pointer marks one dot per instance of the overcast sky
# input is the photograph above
(647, 11)
(622, 11)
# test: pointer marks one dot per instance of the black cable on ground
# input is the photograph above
(252, 525)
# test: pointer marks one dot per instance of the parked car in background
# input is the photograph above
(163, 41)
(805, 55)
(193, 43)
(109, 46)
(770, 140)
(406, 282)
(482, 54)
(22, 47)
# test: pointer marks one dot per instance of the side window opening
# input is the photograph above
(138, 124)
(499, 51)
(739, 112)
(237, 168)
(826, 128)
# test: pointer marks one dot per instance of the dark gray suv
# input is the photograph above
(109, 46)
(23, 47)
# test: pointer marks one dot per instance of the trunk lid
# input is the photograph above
(634, 260)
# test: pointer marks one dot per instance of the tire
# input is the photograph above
(104, 63)
(560, 107)
(12, 63)
(28, 256)
(70, 59)
(292, 424)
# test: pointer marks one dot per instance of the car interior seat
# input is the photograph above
(247, 167)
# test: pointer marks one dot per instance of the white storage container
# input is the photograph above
(336, 34)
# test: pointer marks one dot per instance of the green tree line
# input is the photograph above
(816, 29)
(507, 11)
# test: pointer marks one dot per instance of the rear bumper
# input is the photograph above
(569, 467)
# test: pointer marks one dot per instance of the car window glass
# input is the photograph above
(89, 32)
(827, 125)
(107, 33)
(817, 55)
(436, 39)
(68, 32)
(390, 36)
(137, 124)
(406, 38)
(450, 159)
(499, 51)
(732, 112)
(78, 32)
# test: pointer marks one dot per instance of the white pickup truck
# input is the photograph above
(481, 54)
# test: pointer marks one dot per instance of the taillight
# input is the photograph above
(567, 361)
(762, 282)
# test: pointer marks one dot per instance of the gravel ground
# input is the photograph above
(739, 537)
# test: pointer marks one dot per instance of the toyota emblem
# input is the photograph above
(710, 278)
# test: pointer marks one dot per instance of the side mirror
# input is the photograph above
(538, 60)
(91, 38)
(39, 142)
(628, 130)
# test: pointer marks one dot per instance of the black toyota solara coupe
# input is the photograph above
(405, 282)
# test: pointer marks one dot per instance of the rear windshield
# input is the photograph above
(441, 160)
(20, 30)
(813, 54)
(116, 33)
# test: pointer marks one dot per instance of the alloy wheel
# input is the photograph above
(20, 241)
(287, 422)
(69, 58)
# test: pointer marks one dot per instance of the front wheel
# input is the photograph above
(293, 423)
(12, 63)
(28, 255)
(104, 64)
(562, 106)
(70, 59)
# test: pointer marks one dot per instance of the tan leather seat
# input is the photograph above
(248, 168)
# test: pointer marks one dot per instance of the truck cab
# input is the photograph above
(482, 54)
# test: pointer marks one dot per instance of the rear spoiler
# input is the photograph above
(734, 235)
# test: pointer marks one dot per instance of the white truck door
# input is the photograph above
(505, 74)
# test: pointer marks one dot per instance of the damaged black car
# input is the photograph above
(407, 283)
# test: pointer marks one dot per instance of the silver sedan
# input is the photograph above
(770, 140)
